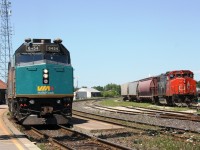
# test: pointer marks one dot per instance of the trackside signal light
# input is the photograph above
(45, 76)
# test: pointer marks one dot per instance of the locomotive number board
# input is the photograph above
(33, 48)
(52, 48)
(38, 48)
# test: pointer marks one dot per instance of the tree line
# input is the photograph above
(198, 84)
(110, 90)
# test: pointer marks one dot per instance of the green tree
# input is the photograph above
(109, 93)
(198, 84)
(99, 88)
(113, 87)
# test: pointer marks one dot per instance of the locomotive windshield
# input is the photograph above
(29, 57)
(48, 57)
(181, 75)
(37, 51)
(56, 57)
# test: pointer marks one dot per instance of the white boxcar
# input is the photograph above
(124, 89)
(133, 89)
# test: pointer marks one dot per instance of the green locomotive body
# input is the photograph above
(40, 83)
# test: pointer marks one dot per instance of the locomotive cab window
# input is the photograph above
(28, 57)
(178, 75)
(171, 76)
(57, 57)
(185, 75)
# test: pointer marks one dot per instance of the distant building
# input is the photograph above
(85, 93)
(2, 92)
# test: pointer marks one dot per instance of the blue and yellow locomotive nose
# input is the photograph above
(45, 80)
(43, 69)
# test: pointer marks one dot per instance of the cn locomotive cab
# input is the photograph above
(181, 87)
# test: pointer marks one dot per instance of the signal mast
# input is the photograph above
(5, 39)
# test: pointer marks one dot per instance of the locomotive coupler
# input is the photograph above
(46, 110)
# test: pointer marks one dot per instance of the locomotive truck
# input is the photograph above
(40, 83)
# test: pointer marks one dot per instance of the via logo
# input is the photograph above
(45, 88)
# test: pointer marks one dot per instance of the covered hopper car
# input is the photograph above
(174, 86)
(40, 83)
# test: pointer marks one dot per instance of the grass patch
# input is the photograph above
(167, 143)
(9, 114)
(119, 102)
(42, 146)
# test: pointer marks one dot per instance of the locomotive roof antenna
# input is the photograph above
(5, 38)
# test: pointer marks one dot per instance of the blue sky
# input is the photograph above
(115, 41)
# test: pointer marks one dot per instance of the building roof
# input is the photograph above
(88, 90)
(2, 85)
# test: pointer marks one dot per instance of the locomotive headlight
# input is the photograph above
(45, 71)
(58, 101)
(45, 75)
(32, 101)
(45, 81)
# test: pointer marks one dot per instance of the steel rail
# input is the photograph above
(64, 146)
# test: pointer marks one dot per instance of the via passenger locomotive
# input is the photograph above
(40, 83)
(174, 86)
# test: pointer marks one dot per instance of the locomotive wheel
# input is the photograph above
(188, 101)
(155, 100)
(170, 101)
(173, 101)
(167, 101)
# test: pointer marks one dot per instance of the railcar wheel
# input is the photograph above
(125, 98)
(155, 100)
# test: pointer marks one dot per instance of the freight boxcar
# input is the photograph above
(124, 91)
(133, 90)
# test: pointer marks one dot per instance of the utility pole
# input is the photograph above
(5, 39)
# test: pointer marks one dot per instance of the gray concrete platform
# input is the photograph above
(10, 137)
(92, 126)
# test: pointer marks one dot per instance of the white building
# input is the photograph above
(85, 93)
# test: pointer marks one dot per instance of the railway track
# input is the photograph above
(145, 128)
(65, 138)
(152, 113)
(168, 119)
(143, 111)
